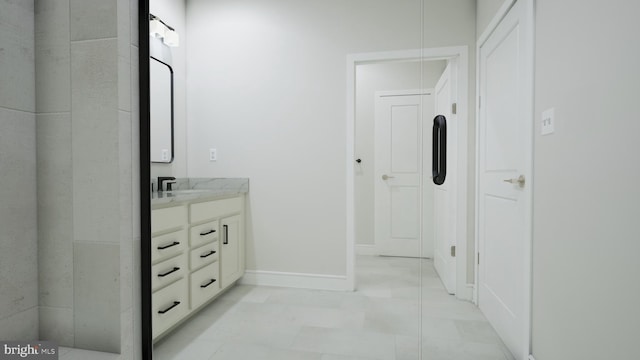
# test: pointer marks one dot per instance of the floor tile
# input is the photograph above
(477, 332)
(236, 351)
(358, 343)
(63, 350)
(326, 317)
(436, 349)
(79, 354)
(317, 298)
(195, 350)
(385, 318)
(407, 348)
(343, 357)
(437, 328)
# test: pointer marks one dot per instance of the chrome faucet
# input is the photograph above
(169, 180)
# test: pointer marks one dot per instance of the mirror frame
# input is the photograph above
(170, 160)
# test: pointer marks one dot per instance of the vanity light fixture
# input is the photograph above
(171, 38)
(156, 28)
(159, 29)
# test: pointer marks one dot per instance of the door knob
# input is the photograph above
(520, 181)
(385, 177)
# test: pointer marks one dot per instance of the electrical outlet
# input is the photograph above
(165, 155)
(213, 155)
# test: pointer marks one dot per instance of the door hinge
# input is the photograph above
(454, 108)
(478, 258)
(453, 251)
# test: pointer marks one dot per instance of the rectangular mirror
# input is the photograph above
(161, 101)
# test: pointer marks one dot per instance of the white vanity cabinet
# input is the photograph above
(197, 252)
(169, 269)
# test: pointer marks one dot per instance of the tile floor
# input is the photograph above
(65, 353)
(384, 320)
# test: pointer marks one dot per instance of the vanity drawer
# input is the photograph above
(214, 209)
(168, 218)
(168, 245)
(204, 233)
(205, 284)
(168, 271)
(169, 305)
(204, 255)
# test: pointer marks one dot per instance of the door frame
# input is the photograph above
(461, 54)
(529, 9)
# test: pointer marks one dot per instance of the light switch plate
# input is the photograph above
(213, 155)
(548, 121)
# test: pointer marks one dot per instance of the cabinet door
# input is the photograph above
(205, 285)
(169, 305)
(231, 249)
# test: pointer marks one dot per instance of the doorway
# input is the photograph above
(403, 206)
(457, 58)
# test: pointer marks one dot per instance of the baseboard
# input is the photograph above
(366, 250)
(295, 280)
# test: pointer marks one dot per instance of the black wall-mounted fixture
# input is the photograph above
(439, 150)
(145, 175)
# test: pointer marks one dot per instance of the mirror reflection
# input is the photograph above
(161, 110)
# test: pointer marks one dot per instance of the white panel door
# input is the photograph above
(504, 147)
(398, 172)
(444, 195)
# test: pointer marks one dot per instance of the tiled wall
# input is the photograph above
(87, 136)
(18, 220)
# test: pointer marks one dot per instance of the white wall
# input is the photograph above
(266, 87)
(369, 79)
(173, 12)
(586, 238)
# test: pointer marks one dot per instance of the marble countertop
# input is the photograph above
(190, 189)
